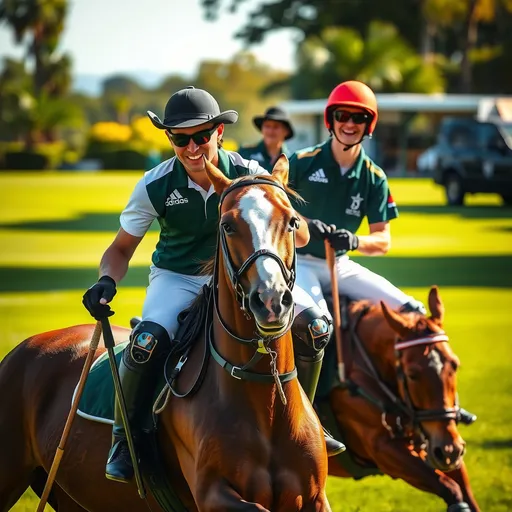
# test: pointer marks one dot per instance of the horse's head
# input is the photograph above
(426, 368)
(257, 244)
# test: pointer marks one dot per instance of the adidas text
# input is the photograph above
(175, 198)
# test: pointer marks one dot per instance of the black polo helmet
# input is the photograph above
(191, 107)
(274, 114)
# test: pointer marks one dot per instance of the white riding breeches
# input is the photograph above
(354, 281)
(169, 293)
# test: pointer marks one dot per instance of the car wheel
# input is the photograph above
(507, 199)
(454, 190)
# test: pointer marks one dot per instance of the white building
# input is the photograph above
(396, 112)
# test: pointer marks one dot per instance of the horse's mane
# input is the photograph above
(252, 177)
(207, 266)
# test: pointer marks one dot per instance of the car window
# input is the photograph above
(491, 138)
(461, 137)
(488, 136)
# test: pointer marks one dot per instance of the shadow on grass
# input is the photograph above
(484, 271)
(464, 212)
(494, 444)
(479, 271)
(87, 222)
(110, 221)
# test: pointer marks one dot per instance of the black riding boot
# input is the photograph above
(136, 389)
(149, 342)
(308, 373)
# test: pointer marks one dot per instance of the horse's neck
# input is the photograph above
(378, 339)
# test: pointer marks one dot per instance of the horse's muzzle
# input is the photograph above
(446, 456)
(271, 308)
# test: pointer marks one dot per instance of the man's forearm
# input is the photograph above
(374, 244)
(114, 264)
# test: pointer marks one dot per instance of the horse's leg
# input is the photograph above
(461, 476)
(12, 484)
(219, 497)
(16, 466)
(394, 459)
(58, 499)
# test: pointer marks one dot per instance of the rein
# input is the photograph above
(400, 407)
(259, 342)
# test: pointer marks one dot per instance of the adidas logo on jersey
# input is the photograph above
(175, 198)
(319, 176)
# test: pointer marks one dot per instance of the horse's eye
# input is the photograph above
(228, 228)
(413, 375)
(294, 223)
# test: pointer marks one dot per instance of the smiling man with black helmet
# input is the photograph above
(179, 195)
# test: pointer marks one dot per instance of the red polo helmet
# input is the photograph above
(353, 94)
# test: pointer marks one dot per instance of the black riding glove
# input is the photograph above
(343, 240)
(319, 230)
(105, 288)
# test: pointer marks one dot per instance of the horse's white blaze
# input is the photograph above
(257, 211)
(435, 361)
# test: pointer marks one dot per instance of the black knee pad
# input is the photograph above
(414, 306)
(311, 331)
(148, 341)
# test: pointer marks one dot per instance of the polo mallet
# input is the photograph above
(331, 263)
(108, 338)
(71, 416)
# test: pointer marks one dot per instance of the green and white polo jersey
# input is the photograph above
(334, 197)
(259, 153)
(187, 214)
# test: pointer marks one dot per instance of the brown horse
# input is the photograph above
(398, 413)
(247, 440)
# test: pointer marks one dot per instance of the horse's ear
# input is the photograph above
(395, 320)
(218, 180)
(280, 170)
(435, 304)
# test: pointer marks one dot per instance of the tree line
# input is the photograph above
(458, 46)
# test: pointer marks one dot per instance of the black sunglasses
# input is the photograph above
(182, 139)
(343, 116)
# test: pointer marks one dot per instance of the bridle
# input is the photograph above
(420, 415)
(401, 408)
(259, 342)
(235, 275)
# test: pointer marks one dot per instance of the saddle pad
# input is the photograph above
(97, 400)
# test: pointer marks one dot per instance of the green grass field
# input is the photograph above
(54, 228)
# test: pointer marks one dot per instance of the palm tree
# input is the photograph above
(382, 59)
(43, 20)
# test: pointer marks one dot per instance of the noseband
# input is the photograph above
(260, 343)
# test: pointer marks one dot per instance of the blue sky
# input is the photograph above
(158, 36)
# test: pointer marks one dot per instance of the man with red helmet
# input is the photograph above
(341, 186)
